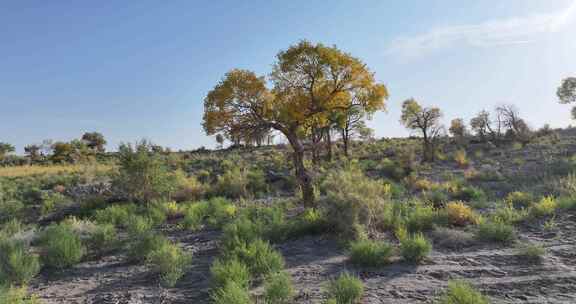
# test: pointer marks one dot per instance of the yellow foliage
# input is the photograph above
(460, 214)
(546, 206)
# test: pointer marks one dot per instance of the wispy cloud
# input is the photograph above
(500, 32)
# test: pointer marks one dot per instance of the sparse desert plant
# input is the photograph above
(194, 215)
(231, 293)
(452, 238)
(61, 247)
(220, 211)
(510, 215)
(225, 270)
(16, 295)
(278, 288)
(17, 264)
(518, 199)
(566, 202)
(415, 248)
(117, 215)
(460, 292)
(530, 251)
(138, 225)
(346, 289)
(460, 214)
(546, 206)
(170, 262)
(420, 217)
(239, 233)
(468, 194)
(370, 253)
(496, 231)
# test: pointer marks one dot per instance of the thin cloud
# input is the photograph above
(501, 32)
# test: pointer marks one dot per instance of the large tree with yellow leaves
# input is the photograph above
(309, 83)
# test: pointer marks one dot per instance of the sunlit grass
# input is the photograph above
(18, 171)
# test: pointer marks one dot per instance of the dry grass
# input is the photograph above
(18, 171)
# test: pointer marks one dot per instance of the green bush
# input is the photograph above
(143, 174)
(145, 244)
(219, 211)
(278, 289)
(239, 233)
(347, 289)
(103, 237)
(231, 293)
(61, 247)
(260, 258)
(194, 216)
(510, 215)
(496, 231)
(117, 215)
(519, 199)
(232, 270)
(17, 264)
(370, 253)
(233, 183)
(546, 206)
(170, 262)
(137, 225)
(16, 295)
(415, 248)
(462, 293)
(469, 194)
(257, 182)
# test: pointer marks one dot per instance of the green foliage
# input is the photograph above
(413, 215)
(347, 289)
(103, 237)
(278, 288)
(145, 244)
(231, 293)
(170, 262)
(462, 293)
(496, 231)
(117, 215)
(546, 206)
(138, 225)
(194, 216)
(370, 253)
(61, 247)
(510, 215)
(260, 258)
(17, 264)
(143, 175)
(230, 270)
(16, 295)
(50, 200)
(233, 183)
(468, 194)
(219, 211)
(415, 248)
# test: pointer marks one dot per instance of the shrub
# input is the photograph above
(278, 289)
(370, 253)
(233, 183)
(347, 289)
(420, 217)
(546, 206)
(257, 182)
(519, 199)
(137, 225)
(103, 237)
(239, 233)
(531, 252)
(352, 201)
(462, 293)
(415, 248)
(452, 238)
(188, 188)
(219, 211)
(50, 200)
(170, 262)
(496, 231)
(311, 221)
(117, 215)
(468, 194)
(17, 264)
(566, 202)
(460, 214)
(510, 215)
(16, 295)
(260, 258)
(232, 270)
(145, 244)
(61, 247)
(194, 216)
(231, 293)
(143, 175)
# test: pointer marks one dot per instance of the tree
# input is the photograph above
(220, 140)
(33, 152)
(309, 83)
(567, 90)
(424, 120)
(5, 148)
(481, 124)
(458, 128)
(95, 141)
(62, 152)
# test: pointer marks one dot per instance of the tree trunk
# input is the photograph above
(345, 141)
(302, 175)
(329, 145)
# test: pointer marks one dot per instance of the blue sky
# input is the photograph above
(134, 69)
